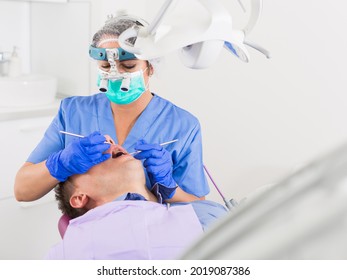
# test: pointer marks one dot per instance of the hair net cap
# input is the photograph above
(114, 26)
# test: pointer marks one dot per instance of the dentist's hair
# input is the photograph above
(114, 26)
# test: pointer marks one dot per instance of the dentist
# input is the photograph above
(132, 115)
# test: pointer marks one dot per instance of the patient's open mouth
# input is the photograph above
(117, 154)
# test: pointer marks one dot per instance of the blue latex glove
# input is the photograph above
(78, 157)
(158, 164)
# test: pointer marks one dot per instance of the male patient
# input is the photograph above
(115, 216)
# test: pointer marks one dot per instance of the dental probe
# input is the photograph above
(161, 144)
(133, 153)
(75, 135)
(72, 134)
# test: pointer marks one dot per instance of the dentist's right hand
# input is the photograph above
(78, 157)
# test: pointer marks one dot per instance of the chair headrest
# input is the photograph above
(63, 224)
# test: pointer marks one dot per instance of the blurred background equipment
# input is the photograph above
(302, 217)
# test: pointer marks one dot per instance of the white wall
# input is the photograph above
(15, 30)
(60, 43)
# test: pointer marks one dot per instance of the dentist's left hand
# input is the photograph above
(158, 164)
(78, 157)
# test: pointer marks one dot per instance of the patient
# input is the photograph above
(115, 216)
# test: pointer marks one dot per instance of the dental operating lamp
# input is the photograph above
(198, 29)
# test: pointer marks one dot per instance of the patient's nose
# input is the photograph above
(109, 139)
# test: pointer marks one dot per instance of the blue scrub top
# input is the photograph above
(161, 121)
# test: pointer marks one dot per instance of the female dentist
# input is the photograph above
(134, 118)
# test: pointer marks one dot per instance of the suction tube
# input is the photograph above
(230, 204)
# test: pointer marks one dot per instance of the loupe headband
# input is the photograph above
(101, 54)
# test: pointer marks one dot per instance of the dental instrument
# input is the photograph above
(210, 29)
(230, 204)
(72, 134)
(133, 153)
(161, 144)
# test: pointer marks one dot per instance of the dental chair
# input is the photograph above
(302, 217)
(63, 224)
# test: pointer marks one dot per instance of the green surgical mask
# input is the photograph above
(135, 89)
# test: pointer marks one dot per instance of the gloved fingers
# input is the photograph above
(95, 149)
(93, 139)
(102, 158)
(158, 171)
(157, 162)
(93, 157)
(150, 154)
(142, 145)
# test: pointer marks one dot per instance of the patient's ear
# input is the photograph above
(79, 200)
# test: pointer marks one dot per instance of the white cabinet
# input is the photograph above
(27, 229)
(18, 138)
(27, 232)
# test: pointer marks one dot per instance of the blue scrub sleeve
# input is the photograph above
(188, 170)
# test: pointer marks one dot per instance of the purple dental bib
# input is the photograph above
(127, 230)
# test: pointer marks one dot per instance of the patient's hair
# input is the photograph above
(63, 192)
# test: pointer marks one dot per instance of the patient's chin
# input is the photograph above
(131, 165)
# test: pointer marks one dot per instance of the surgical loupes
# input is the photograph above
(111, 55)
